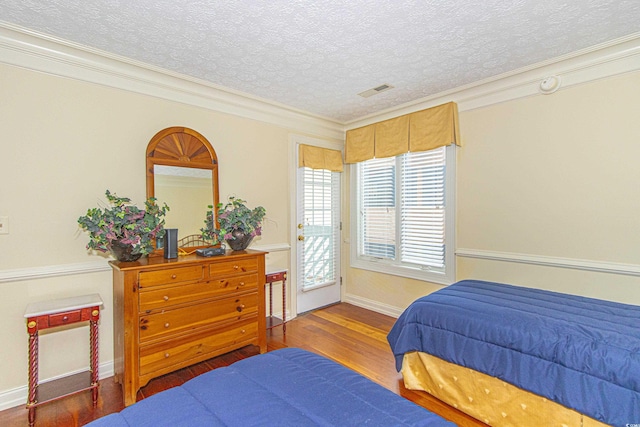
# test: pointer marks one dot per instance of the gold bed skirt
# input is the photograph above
(486, 398)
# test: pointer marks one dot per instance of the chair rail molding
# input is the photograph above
(41, 272)
(549, 261)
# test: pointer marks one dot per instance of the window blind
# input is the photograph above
(422, 208)
(402, 209)
(378, 208)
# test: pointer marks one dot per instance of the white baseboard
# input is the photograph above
(372, 305)
(18, 396)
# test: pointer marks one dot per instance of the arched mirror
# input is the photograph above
(182, 171)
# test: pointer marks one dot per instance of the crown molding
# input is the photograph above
(38, 52)
(597, 62)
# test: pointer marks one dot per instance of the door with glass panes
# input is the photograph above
(318, 238)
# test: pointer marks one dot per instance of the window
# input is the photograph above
(403, 215)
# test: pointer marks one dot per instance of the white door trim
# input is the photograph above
(294, 140)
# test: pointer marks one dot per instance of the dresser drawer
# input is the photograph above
(186, 319)
(165, 297)
(169, 275)
(171, 354)
(247, 265)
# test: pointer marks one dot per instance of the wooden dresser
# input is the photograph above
(169, 314)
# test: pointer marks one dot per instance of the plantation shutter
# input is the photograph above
(422, 208)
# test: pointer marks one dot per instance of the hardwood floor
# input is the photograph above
(352, 336)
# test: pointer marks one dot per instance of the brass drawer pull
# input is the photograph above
(166, 325)
(166, 355)
(241, 284)
(236, 267)
(173, 276)
(240, 307)
(166, 298)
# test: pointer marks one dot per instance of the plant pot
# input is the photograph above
(241, 240)
(123, 251)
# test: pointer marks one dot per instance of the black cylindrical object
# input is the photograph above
(171, 243)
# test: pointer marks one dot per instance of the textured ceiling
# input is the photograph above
(317, 55)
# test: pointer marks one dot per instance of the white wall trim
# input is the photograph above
(597, 62)
(42, 272)
(35, 51)
(18, 396)
(372, 305)
(276, 247)
(39, 52)
(549, 261)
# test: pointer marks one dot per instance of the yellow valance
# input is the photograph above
(420, 131)
(319, 158)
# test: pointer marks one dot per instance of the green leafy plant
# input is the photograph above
(124, 222)
(234, 216)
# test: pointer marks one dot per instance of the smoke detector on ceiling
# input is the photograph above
(376, 90)
(549, 85)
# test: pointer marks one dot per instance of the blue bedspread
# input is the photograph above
(582, 353)
(288, 387)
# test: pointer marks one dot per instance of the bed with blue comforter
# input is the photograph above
(287, 387)
(582, 353)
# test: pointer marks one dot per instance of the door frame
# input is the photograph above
(294, 141)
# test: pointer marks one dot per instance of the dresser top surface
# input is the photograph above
(159, 261)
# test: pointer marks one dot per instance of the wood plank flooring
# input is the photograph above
(350, 335)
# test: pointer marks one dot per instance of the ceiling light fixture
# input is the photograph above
(376, 90)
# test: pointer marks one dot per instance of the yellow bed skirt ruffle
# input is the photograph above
(486, 398)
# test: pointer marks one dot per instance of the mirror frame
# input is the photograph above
(184, 147)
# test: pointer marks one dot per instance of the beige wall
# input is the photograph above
(549, 175)
(64, 142)
(557, 176)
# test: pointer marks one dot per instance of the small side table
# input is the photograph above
(270, 278)
(50, 314)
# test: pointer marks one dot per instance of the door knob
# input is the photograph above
(300, 226)
(301, 237)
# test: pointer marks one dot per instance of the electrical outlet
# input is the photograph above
(4, 225)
